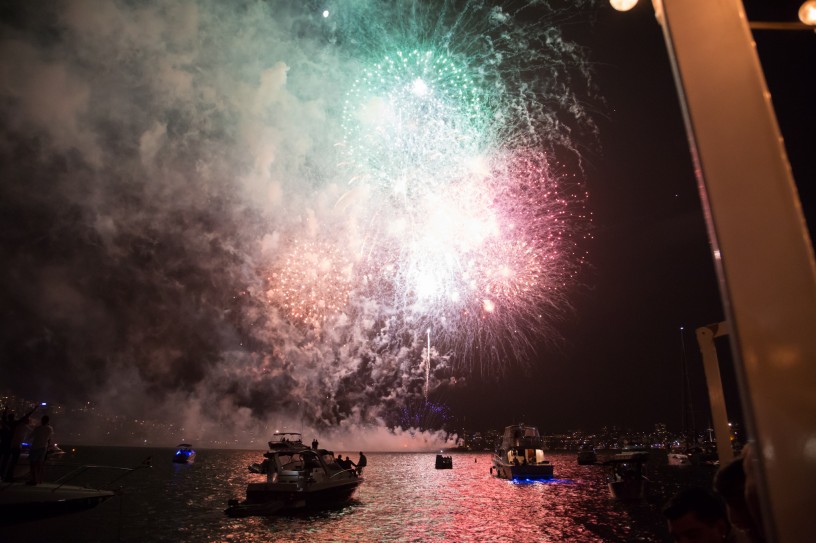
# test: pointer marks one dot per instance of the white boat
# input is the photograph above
(520, 455)
(627, 477)
(297, 478)
(678, 459)
(20, 501)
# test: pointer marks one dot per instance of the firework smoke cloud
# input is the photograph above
(254, 211)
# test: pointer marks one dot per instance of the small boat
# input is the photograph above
(184, 454)
(627, 478)
(20, 502)
(297, 478)
(286, 440)
(587, 455)
(520, 455)
(53, 451)
(678, 458)
(444, 462)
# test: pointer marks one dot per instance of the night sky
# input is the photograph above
(136, 296)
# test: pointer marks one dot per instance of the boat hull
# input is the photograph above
(629, 490)
(587, 458)
(21, 502)
(274, 498)
(504, 470)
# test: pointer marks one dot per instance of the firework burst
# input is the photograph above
(310, 283)
(469, 229)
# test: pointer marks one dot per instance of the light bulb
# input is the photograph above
(623, 5)
(807, 12)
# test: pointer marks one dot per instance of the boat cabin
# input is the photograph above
(522, 445)
(291, 466)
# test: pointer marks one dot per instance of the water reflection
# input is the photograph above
(404, 498)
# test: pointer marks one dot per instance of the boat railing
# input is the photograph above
(73, 474)
(352, 471)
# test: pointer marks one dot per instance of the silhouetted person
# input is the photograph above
(349, 463)
(696, 515)
(314, 444)
(361, 463)
(341, 462)
(6, 429)
(40, 440)
(19, 432)
(736, 483)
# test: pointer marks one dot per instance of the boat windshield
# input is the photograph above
(298, 461)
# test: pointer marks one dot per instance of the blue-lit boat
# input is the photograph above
(184, 454)
(520, 456)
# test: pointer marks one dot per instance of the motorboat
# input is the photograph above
(21, 502)
(678, 458)
(185, 454)
(286, 440)
(587, 455)
(54, 451)
(444, 462)
(297, 478)
(627, 475)
(520, 455)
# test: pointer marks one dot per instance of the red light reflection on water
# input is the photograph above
(404, 498)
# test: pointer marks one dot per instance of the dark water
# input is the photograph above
(402, 499)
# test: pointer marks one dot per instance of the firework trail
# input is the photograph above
(259, 208)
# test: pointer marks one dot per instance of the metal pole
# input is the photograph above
(760, 246)
(716, 396)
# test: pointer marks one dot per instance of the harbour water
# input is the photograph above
(403, 499)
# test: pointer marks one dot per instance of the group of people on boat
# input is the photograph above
(13, 432)
(350, 464)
